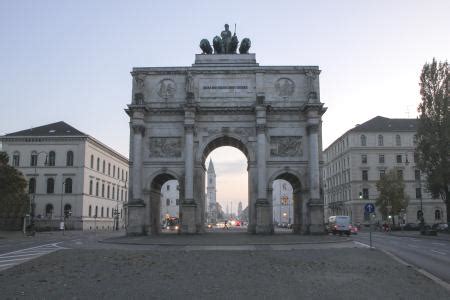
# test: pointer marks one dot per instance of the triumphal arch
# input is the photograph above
(178, 115)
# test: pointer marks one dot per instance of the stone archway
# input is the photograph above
(179, 114)
(209, 145)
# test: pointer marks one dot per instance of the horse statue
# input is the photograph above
(245, 45)
(205, 46)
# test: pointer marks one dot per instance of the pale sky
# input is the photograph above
(71, 60)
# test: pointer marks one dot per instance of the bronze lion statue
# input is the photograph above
(205, 46)
(245, 46)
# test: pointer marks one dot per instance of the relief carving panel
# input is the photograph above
(286, 146)
(165, 147)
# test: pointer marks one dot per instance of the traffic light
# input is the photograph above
(360, 195)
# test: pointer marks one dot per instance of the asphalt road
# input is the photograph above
(427, 254)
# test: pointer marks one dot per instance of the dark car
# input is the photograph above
(411, 226)
(440, 226)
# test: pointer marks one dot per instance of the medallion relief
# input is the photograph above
(165, 147)
(284, 87)
(166, 89)
(286, 146)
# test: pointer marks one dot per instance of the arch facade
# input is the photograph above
(178, 115)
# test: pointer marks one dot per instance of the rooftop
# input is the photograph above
(55, 129)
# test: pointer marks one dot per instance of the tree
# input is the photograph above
(433, 132)
(392, 198)
(14, 200)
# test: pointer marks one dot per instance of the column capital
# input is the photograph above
(138, 129)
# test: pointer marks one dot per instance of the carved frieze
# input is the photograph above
(165, 147)
(166, 89)
(284, 87)
(286, 146)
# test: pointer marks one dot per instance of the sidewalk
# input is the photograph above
(417, 235)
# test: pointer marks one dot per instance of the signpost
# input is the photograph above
(369, 208)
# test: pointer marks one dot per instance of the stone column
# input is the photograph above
(188, 218)
(252, 195)
(315, 203)
(264, 222)
(136, 207)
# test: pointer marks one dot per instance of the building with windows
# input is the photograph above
(357, 160)
(170, 200)
(282, 202)
(70, 174)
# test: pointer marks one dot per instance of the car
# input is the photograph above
(353, 229)
(339, 225)
(411, 226)
(440, 226)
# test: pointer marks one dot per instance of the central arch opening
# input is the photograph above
(226, 206)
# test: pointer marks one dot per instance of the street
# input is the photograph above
(432, 255)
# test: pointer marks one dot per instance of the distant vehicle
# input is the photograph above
(339, 225)
(354, 229)
(172, 223)
(411, 226)
(440, 226)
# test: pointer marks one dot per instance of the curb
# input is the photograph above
(430, 276)
(225, 245)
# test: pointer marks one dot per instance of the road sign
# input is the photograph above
(369, 208)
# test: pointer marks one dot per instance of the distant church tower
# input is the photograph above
(211, 193)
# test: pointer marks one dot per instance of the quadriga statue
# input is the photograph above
(225, 43)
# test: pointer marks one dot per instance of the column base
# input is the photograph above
(188, 224)
(316, 226)
(136, 218)
(264, 223)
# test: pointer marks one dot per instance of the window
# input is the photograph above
(364, 158)
(90, 187)
(400, 174)
(69, 159)
(96, 188)
(177, 201)
(104, 167)
(51, 158)
(168, 187)
(417, 174)
(96, 212)
(365, 175)
(50, 186)
(121, 195)
(90, 210)
(32, 186)
(49, 210)
(98, 163)
(16, 159)
(366, 194)
(68, 186)
(114, 171)
(380, 140)
(107, 192)
(107, 212)
(381, 158)
(102, 212)
(418, 193)
(113, 193)
(33, 159)
(103, 190)
(437, 214)
(92, 161)
(419, 214)
(118, 172)
(67, 209)
(122, 174)
(109, 169)
(118, 193)
(398, 140)
(382, 173)
(363, 140)
(399, 158)
(126, 175)
(167, 202)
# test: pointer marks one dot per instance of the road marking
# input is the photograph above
(10, 259)
(438, 252)
(439, 281)
(362, 244)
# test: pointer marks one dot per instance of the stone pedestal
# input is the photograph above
(188, 224)
(264, 223)
(136, 218)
